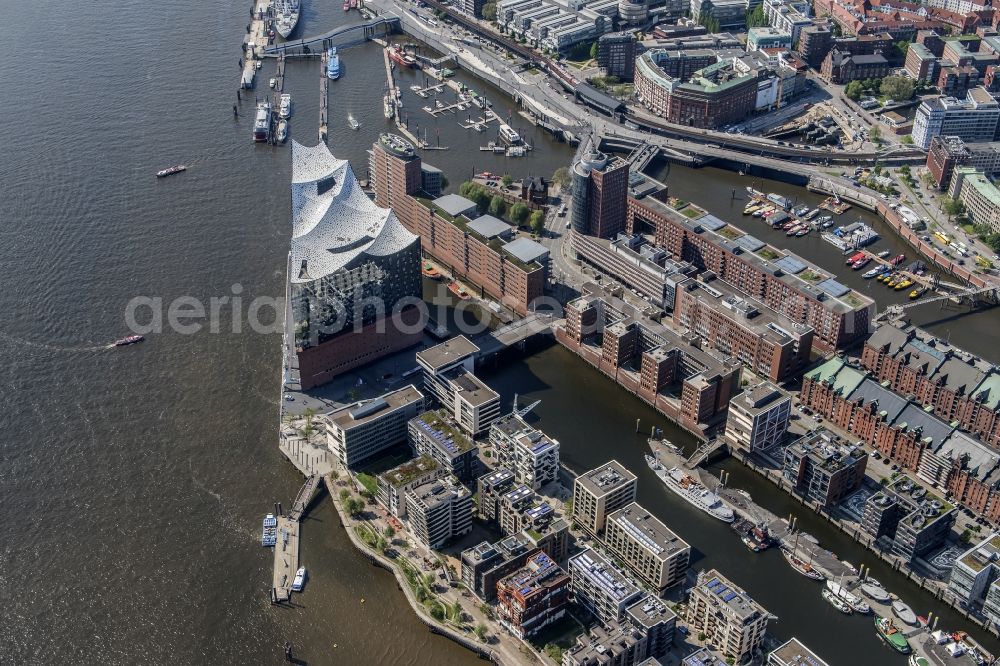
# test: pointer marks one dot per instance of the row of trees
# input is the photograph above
(497, 206)
(898, 88)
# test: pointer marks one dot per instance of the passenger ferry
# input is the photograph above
(695, 494)
(332, 63)
(300, 580)
(509, 135)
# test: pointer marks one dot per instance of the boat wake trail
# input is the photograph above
(23, 342)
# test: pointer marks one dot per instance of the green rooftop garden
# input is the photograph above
(811, 276)
(768, 253)
(440, 422)
(730, 232)
(408, 471)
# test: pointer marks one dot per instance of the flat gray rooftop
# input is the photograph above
(448, 352)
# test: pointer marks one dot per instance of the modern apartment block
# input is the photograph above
(714, 96)
(448, 377)
(485, 564)
(975, 570)
(948, 152)
(613, 644)
(599, 492)
(823, 468)
(490, 488)
(434, 434)
(973, 119)
(783, 282)
(738, 325)
(979, 195)
(600, 587)
(363, 429)
(512, 272)
(907, 519)
(533, 597)
(531, 455)
(794, 653)
(732, 621)
(344, 249)
(439, 511)
(652, 617)
(758, 418)
(658, 557)
(393, 484)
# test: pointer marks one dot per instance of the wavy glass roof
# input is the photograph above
(333, 220)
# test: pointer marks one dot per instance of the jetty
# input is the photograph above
(324, 89)
(286, 550)
(255, 42)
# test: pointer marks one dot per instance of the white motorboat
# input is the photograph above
(855, 602)
(300, 580)
(904, 613)
(273, 82)
(282, 132)
(285, 106)
(695, 494)
(353, 123)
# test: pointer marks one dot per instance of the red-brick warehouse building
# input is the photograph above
(954, 384)
(784, 283)
(514, 273)
(907, 433)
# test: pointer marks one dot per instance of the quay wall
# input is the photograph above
(628, 381)
(939, 591)
(383, 562)
(896, 221)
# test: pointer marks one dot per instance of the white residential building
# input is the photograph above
(448, 377)
(973, 119)
(360, 430)
(758, 418)
(657, 556)
(527, 452)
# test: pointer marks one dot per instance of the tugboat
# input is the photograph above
(129, 340)
(891, 635)
(169, 171)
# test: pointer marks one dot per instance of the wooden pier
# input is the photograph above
(255, 42)
(324, 89)
(286, 550)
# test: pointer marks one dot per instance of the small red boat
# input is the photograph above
(897, 260)
(398, 56)
(130, 340)
(459, 291)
